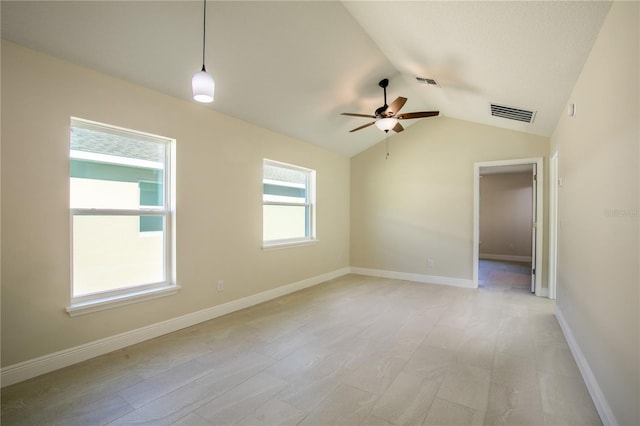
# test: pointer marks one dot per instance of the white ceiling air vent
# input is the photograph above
(512, 113)
(428, 81)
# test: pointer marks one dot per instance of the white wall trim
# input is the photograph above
(25, 370)
(543, 292)
(421, 278)
(505, 257)
(601, 403)
(553, 225)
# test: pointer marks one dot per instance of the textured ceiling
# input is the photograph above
(293, 66)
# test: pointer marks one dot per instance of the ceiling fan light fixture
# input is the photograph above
(203, 86)
(386, 117)
(386, 124)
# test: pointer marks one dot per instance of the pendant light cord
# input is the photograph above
(204, 32)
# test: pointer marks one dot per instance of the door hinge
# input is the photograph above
(535, 177)
(533, 271)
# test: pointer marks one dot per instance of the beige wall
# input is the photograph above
(506, 209)
(598, 277)
(219, 203)
(418, 204)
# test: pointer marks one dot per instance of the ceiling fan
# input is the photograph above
(387, 117)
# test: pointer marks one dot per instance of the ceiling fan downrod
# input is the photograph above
(384, 83)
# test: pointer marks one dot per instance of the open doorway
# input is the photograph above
(506, 218)
(512, 244)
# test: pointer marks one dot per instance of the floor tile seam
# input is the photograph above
(435, 396)
(459, 403)
(133, 410)
(420, 422)
(193, 413)
(209, 371)
(307, 411)
(295, 330)
(317, 404)
(57, 392)
(564, 346)
(465, 405)
(247, 379)
(382, 392)
(180, 388)
(578, 378)
(58, 401)
(415, 350)
(41, 417)
(255, 322)
(30, 413)
(40, 403)
(383, 419)
(455, 403)
(557, 370)
(159, 373)
(493, 358)
(439, 383)
(535, 387)
(255, 408)
(192, 406)
(376, 397)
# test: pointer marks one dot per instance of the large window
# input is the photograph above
(121, 215)
(288, 212)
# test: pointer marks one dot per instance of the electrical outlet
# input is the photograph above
(429, 263)
(220, 285)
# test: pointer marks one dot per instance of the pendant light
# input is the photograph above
(202, 82)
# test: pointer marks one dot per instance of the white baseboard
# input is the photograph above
(505, 257)
(47, 363)
(599, 400)
(421, 278)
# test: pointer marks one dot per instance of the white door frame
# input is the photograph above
(539, 213)
(553, 224)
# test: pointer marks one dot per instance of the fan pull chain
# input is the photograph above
(387, 142)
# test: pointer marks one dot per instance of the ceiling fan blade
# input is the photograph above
(395, 106)
(421, 114)
(398, 128)
(362, 127)
(357, 115)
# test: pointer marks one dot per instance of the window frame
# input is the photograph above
(309, 204)
(120, 296)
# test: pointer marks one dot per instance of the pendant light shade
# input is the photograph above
(202, 82)
(387, 123)
(203, 86)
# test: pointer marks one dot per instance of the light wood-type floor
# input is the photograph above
(355, 350)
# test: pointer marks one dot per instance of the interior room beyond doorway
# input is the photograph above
(506, 215)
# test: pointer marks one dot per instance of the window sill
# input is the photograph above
(288, 244)
(95, 305)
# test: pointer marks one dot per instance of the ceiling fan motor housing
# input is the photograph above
(381, 112)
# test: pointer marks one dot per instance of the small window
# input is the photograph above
(121, 215)
(288, 211)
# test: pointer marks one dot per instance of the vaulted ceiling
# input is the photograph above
(294, 66)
